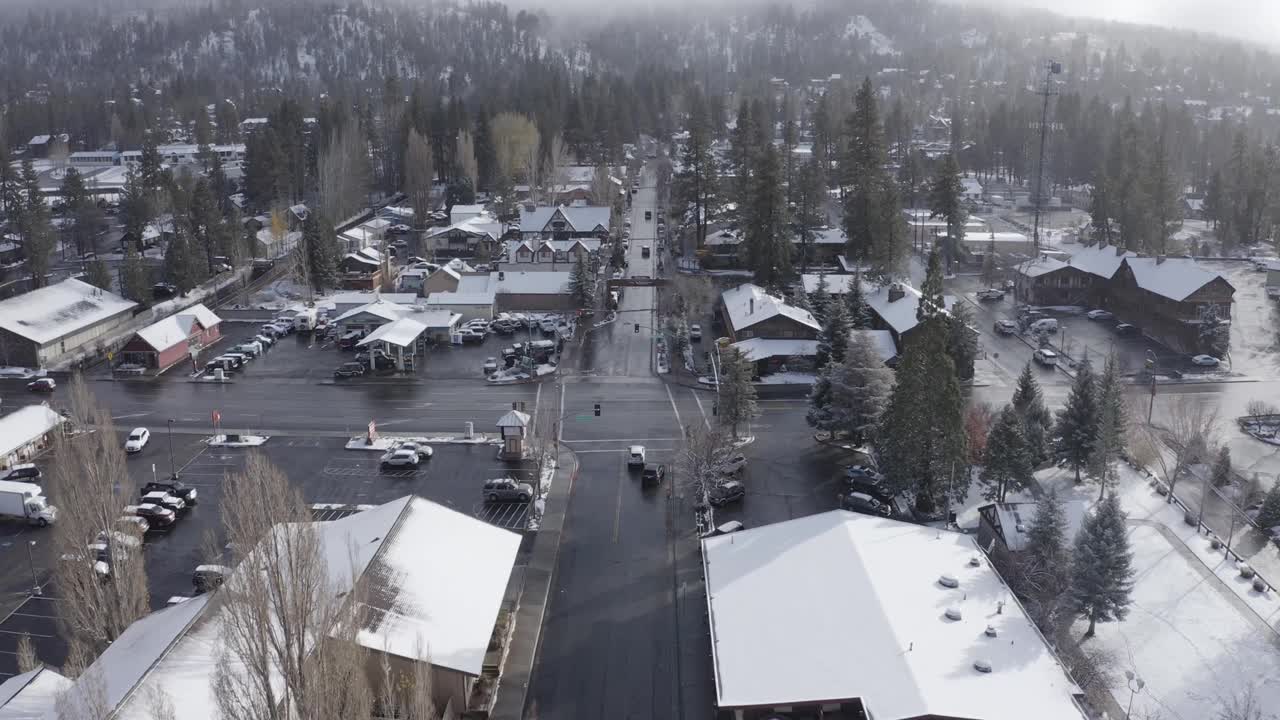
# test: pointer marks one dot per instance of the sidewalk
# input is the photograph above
(513, 686)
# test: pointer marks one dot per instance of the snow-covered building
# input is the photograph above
(175, 338)
(32, 694)
(435, 579)
(1170, 299)
(564, 222)
(547, 254)
(513, 291)
(766, 329)
(893, 308)
(41, 327)
(476, 235)
(848, 615)
(25, 432)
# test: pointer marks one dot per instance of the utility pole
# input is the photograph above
(1052, 68)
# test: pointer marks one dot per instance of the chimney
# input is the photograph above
(502, 275)
(1119, 251)
(1160, 259)
(751, 306)
(896, 292)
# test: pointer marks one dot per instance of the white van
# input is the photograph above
(1049, 325)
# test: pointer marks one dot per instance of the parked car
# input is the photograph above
(176, 488)
(349, 339)
(252, 348)
(635, 457)
(991, 294)
(399, 459)
(1126, 329)
(1100, 315)
(1208, 361)
(134, 524)
(137, 440)
(159, 517)
(547, 326)
(507, 490)
(471, 336)
(727, 492)
(1048, 325)
(239, 357)
(732, 465)
(165, 500)
(43, 385)
(732, 526)
(653, 474)
(1045, 356)
(1006, 327)
(490, 365)
(163, 290)
(24, 472)
(873, 486)
(864, 503)
(424, 451)
(351, 369)
(234, 362)
(208, 577)
(265, 341)
(695, 332)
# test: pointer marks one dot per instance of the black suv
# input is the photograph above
(507, 490)
(174, 487)
(864, 503)
(653, 474)
(862, 479)
(727, 492)
(351, 369)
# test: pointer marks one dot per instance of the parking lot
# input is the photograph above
(337, 481)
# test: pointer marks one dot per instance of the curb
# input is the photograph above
(526, 645)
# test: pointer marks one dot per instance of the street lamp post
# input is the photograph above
(1135, 686)
(173, 472)
(35, 581)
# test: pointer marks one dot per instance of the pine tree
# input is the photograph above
(1221, 475)
(321, 252)
(990, 273)
(696, 183)
(946, 200)
(33, 226)
(962, 340)
(820, 301)
(133, 276)
(932, 303)
(99, 274)
(1044, 568)
(1163, 193)
(871, 213)
(1078, 420)
(177, 263)
(849, 396)
(799, 298)
(1101, 567)
(1008, 459)
(149, 165)
(922, 438)
(1269, 514)
(767, 235)
(135, 204)
(1100, 206)
(833, 339)
(810, 206)
(1029, 404)
(1112, 426)
(582, 285)
(855, 303)
(736, 399)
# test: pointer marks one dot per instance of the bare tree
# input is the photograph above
(411, 695)
(467, 165)
(344, 172)
(26, 652)
(557, 159)
(705, 450)
(282, 613)
(1183, 441)
(87, 698)
(1245, 705)
(92, 485)
(515, 141)
(159, 704)
(419, 175)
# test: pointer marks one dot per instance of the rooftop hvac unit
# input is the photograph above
(953, 613)
(948, 581)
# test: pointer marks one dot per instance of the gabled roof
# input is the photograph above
(1101, 260)
(481, 225)
(26, 424)
(900, 314)
(55, 311)
(858, 598)
(29, 696)
(1042, 265)
(514, 418)
(881, 342)
(176, 328)
(1173, 278)
(749, 304)
(578, 218)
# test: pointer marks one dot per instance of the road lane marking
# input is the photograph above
(623, 450)
(701, 409)
(674, 409)
(617, 510)
(623, 440)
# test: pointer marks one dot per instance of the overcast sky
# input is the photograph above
(1256, 20)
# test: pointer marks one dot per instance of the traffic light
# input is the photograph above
(597, 409)
(637, 327)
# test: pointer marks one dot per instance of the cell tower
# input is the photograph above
(1052, 68)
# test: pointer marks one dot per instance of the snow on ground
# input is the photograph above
(788, 378)
(862, 27)
(1197, 633)
(285, 294)
(1255, 345)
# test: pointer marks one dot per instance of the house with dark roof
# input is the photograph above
(564, 222)
(1170, 299)
(1082, 279)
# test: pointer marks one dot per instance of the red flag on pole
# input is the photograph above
(373, 432)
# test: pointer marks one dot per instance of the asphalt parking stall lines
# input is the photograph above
(509, 516)
(36, 618)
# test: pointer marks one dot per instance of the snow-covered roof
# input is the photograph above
(472, 210)
(176, 328)
(761, 348)
(54, 311)
(723, 237)
(1016, 518)
(378, 308)
(824, 236)
(858, 598)
(458, 298)
(837, 283)
(588, 244)
(900, 314)
(29, 696)
(1173, 278)
(482, 224)
(980, 237)
(24, 425)
(881, 341)
(578, 218)
(362, 259)
(542, 282)
(452, 620)
(514, 418)
(367, 296)
(749, 304)
(1100, 260)
(401, 333)
(1042, 265)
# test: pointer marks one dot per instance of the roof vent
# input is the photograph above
(982, 666)
(896, 292)
(948, 581)
(953, 613)
(991, 631)
(1020, 528)
(974, 561)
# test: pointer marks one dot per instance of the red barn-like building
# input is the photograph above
(173, 339)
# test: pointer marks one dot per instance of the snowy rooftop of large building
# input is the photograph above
(1042, 265)
(548, 282)
(1100, 260)
(1173, 278)
(749, 304)
(24, 425)
(55, 311)
(840, 606)
(577, 218)
(29, 696)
